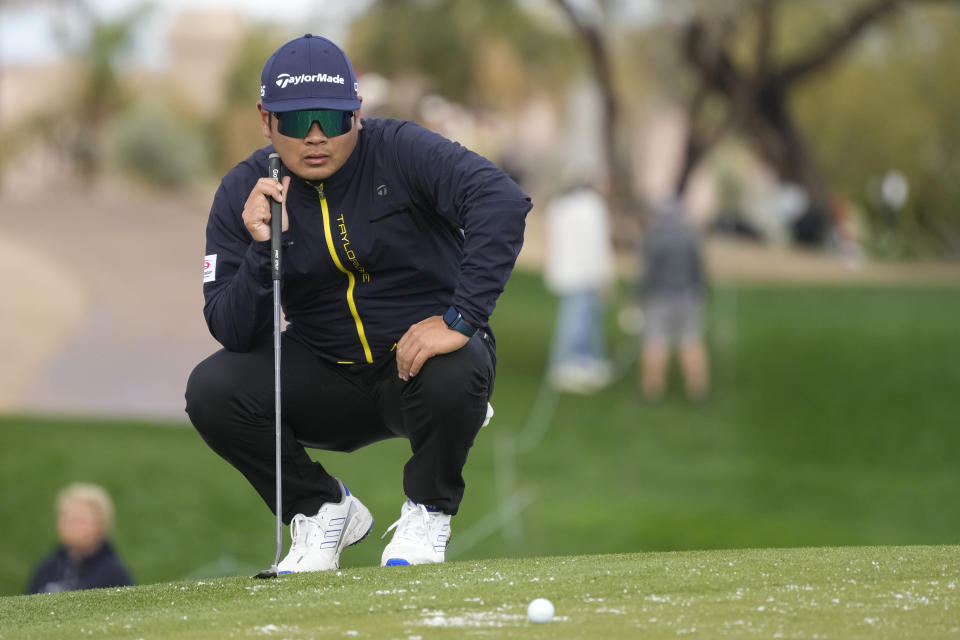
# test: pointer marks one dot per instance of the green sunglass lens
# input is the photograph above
(296, 124)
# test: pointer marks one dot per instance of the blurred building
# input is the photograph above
(202, 47)
(30, 89)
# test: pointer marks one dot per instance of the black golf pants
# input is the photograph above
(341, 407)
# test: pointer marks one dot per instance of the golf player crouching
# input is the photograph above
(396, 244)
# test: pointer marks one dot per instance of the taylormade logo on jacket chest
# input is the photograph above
(285, 78)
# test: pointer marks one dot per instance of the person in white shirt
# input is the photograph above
(580, 270)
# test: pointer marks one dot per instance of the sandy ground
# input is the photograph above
(103, 309)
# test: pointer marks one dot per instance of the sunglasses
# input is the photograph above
(296, 124)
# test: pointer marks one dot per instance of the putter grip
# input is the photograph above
(276, 218)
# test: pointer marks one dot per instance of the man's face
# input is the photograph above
(315, 157)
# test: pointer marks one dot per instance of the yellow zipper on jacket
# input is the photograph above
(351, 279)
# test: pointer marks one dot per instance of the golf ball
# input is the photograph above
(540, 611)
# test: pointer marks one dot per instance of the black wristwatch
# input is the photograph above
(455, 321)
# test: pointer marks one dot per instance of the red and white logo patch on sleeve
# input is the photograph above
(210, 268)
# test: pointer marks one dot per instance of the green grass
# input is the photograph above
(867, 592)
(832, 424)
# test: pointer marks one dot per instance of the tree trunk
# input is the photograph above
(620, 195)
(782, 146)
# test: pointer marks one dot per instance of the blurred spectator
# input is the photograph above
(672, 294)
(845, 233)
(579, 269)
(85, 558)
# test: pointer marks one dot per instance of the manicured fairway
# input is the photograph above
(872, 593)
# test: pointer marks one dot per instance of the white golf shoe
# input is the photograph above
(319, 539)
(421, 536)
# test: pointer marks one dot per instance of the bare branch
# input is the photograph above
(765, 25)
(592, 37)
(577, 17)
(713, 137)
(699, 142)
(838, 41)
(706, 51)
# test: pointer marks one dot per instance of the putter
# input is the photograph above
(276, 228)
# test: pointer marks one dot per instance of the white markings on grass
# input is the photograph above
(605, 609)
(267, 629)
(283, 630)
(438, 618)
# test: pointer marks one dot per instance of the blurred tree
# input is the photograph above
(151, 143)
(892, 106)
(754, 91)
(99, 45)
(486, 54)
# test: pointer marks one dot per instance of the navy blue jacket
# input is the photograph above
(410, 225)
(60, 572)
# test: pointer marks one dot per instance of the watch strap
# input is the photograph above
(455, 321)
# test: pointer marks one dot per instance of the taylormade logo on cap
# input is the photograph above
(308, 73)
(285, 78)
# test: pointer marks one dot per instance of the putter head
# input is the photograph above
(267, 573)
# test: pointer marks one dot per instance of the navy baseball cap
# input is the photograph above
(308, 73)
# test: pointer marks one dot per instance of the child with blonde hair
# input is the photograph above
(85, 558)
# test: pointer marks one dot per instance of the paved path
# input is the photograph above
(110, 310)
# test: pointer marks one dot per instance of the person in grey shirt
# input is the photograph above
(673, 289)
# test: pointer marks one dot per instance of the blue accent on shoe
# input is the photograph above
(429, 508)
(397, 562)
(282, 573)
(364, 536)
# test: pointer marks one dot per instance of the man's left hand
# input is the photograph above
(424, 340)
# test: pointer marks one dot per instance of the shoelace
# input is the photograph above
(412, 524)
(301, 529)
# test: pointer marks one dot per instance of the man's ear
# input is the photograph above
(265, 118)
(356, 114)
